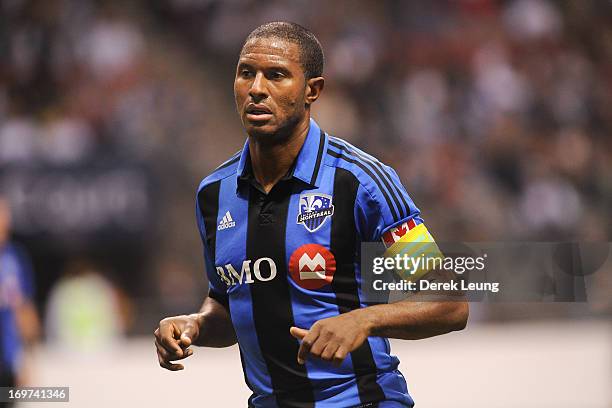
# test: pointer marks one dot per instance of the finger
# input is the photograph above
(317, 347)
(172, 367)
(168, 338)
(329, 351)
(186, 353)
(189, 335)
(306, 345)
(339, 356)
(169, 356)
(162, 352)
(325, 337)
(169, 366)
(165, 358)
(298, 333)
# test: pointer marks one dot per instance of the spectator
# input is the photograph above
(19, 324)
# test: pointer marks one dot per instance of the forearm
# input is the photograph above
(215, 323)
(411, 320)
(421, 315)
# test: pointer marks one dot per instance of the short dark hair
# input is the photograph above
(311, 52)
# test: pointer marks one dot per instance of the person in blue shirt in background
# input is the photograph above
(19, 323)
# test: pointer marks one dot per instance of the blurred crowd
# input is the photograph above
(497, 115)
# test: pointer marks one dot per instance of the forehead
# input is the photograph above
(271, 50)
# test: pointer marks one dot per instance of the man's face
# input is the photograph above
(270, 88)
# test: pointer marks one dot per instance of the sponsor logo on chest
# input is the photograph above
(311, 266)
(263, 270)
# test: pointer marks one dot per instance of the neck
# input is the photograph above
(271, 161)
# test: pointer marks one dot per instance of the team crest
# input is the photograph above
(315, 208)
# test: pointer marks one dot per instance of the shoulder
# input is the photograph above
(371, 173)
(379, 182)
(226, 169)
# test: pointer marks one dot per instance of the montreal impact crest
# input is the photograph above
(315, 208)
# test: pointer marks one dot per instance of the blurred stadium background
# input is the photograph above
(497, 115)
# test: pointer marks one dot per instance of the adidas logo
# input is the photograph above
(226, 222)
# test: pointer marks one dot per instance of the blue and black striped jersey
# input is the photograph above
(291, 257)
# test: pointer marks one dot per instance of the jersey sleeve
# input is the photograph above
(384, 206)
(385, 212)
(217, 288)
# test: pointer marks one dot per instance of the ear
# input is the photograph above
(314, 87)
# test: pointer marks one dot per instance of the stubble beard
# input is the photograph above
(280, 136)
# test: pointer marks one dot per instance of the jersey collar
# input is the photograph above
(307, 164)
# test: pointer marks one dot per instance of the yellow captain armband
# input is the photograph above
(413, 250)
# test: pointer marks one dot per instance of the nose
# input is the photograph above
(258, 91)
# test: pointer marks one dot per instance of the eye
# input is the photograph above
(277, 75)
(245, 73)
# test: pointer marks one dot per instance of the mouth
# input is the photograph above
(258, 112)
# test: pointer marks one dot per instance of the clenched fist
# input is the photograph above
(173, 338)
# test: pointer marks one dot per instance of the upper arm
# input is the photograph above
(383, 207)
(213, 306)
(385, 212)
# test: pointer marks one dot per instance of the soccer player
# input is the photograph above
(281, 223)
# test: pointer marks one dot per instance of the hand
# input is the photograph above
(333, 338)
(173, 337)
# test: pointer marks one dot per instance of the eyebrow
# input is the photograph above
(268, 68)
